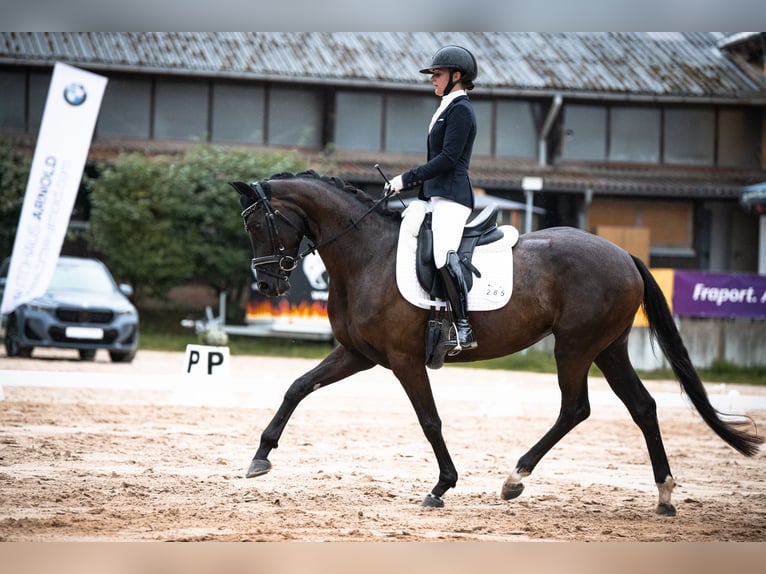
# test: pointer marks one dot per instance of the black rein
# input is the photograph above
(287, 263)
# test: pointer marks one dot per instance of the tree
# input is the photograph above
(217, 241)
(136, 222)
(14, 173)
(166, 221)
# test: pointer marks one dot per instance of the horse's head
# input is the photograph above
(274, 238)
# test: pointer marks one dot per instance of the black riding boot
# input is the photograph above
(457, 295)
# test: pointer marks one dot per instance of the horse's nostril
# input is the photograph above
(263, 286)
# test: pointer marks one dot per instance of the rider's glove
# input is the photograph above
(395, 185)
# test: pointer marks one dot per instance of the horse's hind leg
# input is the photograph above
(622, 378)
(575, 408)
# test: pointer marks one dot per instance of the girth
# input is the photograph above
(479, 231)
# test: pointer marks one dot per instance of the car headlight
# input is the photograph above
(41, 308)
(125, 313)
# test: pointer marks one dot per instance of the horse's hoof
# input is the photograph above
(258, 467)
(511, 490)
(432, 501)
(666, 509)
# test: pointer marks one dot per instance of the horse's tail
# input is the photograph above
(663, 329)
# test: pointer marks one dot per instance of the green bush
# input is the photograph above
(136, 223)
(165, 221)
(14, 173)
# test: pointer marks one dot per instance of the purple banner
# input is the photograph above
(719, 295)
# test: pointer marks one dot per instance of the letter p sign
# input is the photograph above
(206, 360)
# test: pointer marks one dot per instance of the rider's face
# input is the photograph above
(440, 79)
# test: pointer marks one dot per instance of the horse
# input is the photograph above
(582, 289)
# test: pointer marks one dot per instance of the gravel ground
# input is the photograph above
(96, 451)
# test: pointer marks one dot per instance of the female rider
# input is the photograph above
(444, 179)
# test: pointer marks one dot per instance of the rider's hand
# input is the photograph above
(395, 185)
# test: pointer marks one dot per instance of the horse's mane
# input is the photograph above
(339, 183)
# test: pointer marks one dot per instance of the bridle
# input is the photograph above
(287, 263)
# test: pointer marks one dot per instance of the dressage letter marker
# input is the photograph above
(206, 360)
(211, 385)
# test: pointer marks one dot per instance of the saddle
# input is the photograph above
(481, 230)
(490, 246)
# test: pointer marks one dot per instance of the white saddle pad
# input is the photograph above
(494, 261)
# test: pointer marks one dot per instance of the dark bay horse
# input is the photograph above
(566, 282)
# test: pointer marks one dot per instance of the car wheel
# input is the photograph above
(87, 354)
(13, 346)
(122, 356)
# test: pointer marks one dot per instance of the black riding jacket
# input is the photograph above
(450, 144)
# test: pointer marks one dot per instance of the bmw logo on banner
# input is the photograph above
(75, 94)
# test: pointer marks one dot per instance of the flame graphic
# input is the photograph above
(285, 309)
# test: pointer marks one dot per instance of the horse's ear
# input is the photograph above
(243, 189)
(247, 195)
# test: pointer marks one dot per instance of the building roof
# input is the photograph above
(664, 65)
(624, 66)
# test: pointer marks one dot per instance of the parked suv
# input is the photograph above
(83, 309)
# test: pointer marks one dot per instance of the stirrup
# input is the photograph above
(457, 347)
(454, 350)
(453, 341)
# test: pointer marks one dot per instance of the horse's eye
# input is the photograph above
(255, 224)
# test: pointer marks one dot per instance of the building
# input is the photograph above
(648, 138)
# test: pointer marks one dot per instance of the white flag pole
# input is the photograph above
(69, 118)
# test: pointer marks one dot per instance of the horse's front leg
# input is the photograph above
(339, 364)
(414, 379)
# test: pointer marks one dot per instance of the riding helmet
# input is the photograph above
(456, 58)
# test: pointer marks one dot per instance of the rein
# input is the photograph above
(288, 263)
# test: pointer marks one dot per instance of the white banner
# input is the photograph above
(69, 118)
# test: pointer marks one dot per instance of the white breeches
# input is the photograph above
(447, 224)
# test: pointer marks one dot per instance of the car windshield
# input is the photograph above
(81, 276)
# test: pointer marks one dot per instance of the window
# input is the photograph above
(634, 134)
(689, 136)
(358, 121)
(517, 129)
(13, 103)
(738, 138)
(125, 108)
(238, 113)
(39, 84)
(584, 132)
(670, 223)
(181, 110)
(295, 117)
(407, 119)
(484, 128)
